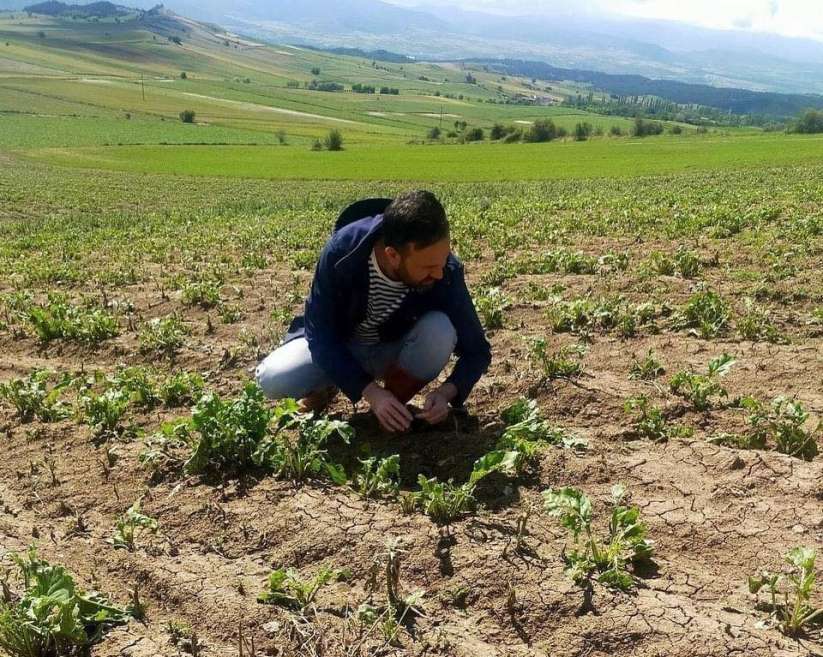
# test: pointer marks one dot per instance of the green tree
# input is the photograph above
(810, 123)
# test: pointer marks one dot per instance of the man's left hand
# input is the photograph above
(436, 406)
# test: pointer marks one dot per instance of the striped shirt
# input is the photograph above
(385, 295)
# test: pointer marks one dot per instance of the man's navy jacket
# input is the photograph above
(337, 304)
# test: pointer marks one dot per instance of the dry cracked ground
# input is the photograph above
(715, 514)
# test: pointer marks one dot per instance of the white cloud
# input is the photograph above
(788, 17)
(798, 18)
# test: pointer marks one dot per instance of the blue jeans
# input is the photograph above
(423, 353)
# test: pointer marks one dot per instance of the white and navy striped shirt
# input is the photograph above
(385, 295)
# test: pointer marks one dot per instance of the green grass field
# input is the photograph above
(454, 163)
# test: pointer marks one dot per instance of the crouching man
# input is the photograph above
(388, 303)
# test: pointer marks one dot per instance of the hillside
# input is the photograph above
(107, 90)
(156, 64)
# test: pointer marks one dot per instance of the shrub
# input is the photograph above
(541, 130)
(334, 140)
(187, 116)
(582, 131)
(644, 128)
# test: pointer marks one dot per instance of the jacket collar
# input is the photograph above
(369, 229)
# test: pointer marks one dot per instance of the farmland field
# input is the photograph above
(133, 246)
(658, 301)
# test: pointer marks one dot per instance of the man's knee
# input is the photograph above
(432, 342)
(436, 329)
(273, 378)
(288, 372)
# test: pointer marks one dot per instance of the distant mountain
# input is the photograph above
(101, 9)
(658, 49)
(738, 101)
(567, 39)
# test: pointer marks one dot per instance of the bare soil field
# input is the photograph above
(492, 580)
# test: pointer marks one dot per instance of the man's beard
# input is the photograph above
(415, 286)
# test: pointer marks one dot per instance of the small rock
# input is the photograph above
(737, 463)
(799, 529)
(272, 628)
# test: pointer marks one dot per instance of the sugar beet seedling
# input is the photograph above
(626, 542)
(790, 606)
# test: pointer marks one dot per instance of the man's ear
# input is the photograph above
(393, 255)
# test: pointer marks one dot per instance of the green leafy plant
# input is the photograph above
(647, 369)
(378, 477)
(236, 435)
(491, 305)
(51, 616)
(161, 450)
(626, 543)
(651, 423)
(738, 440)
(58, 319)
(527, 432)
(32, 398)
(229, 433)
(699, 388)
(137, 383)
(104, 412)
(686, 262)
(202, 291)
(162, 335)
(445, 501)
(706, 314)
(784, 423)
(790, 594)
(180, 389)
(756, 325)
(558, 364)
(297, 449)
(286, 588)
(130, 525)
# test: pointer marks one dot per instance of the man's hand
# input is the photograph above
(436, 406)
(390, 412)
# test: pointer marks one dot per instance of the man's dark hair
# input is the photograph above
(414, 217)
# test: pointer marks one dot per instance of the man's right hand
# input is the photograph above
(390, 412)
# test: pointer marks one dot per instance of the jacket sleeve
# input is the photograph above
(327, 347)
(472, 349)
